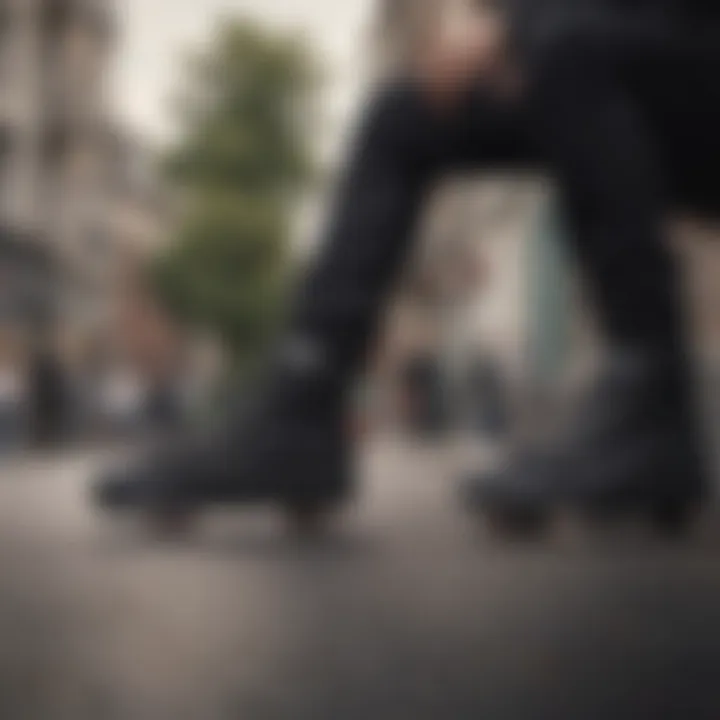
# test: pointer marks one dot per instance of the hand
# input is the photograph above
(461, 52)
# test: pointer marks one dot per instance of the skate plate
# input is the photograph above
(668, 521)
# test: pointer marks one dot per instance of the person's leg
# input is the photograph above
(624, 109)
(291, 448)
(602, 147)
(402, 148)
(602, 127)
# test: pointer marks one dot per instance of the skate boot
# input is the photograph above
(288, 448)
(634, 449)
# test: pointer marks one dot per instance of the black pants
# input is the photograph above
(624, 115)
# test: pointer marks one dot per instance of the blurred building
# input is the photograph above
(53, 120)
(138, 219)
(81, 207)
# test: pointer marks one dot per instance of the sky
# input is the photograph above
(153, 34)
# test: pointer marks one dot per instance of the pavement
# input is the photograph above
(405, 609)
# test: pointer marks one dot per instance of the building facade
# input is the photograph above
(81, 207)
(53, 134)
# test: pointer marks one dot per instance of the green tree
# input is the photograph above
(245, 151)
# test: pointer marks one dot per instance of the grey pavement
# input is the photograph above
(405, 610)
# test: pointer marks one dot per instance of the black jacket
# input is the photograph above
(531, 20)
(693, 9)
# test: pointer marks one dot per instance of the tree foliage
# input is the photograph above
(245, 113)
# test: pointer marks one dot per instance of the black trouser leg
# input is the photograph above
(369, 230)
(402, 148)
(607, 97)
(601, 149)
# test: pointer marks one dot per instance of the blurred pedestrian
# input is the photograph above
(47, 393)
(11, 406)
